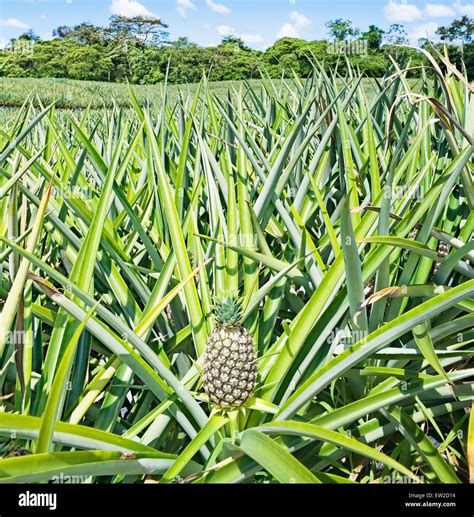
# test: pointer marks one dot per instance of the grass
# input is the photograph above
(342, 216)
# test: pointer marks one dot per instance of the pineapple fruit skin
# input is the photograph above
(230, 367)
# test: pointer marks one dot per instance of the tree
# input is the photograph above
(341, 29)
(461, 31)
(234, 42)
(62, 31)
(145, 65)
(29, 36)
(147, 30)
(50, 58)
(396, 35)
(183, 42)
(424, 42)
(286, 54)
(87, 34)
(468, 58)
(373, 36)
(87, 63)
(227, 64)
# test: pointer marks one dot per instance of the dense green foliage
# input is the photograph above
(342, 220)
(460, 30)
(137, 50)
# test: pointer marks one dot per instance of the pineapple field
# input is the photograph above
(271, 283)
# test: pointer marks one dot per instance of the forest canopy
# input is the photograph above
(139, 50)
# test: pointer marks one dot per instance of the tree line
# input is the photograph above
(139, 50)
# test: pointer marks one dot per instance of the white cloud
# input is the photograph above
(292, 29)
(130, 8)
(252, 38)
(423, 30)
(300, 21)
(401, 12)
(184, 6)
(187, 4)
(218, 8)
(43, 17)
(226, 30)
(288, 30)
(438, 11)
(14, 23)
(464, 9)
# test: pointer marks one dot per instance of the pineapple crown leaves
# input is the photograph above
(228, 310)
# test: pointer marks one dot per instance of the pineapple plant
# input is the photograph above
(230, 370)
(166, 224)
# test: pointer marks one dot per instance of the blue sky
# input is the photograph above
(259, 22)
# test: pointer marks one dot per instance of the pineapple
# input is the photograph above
(230, 369)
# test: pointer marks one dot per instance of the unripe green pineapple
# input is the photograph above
(230, 360)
